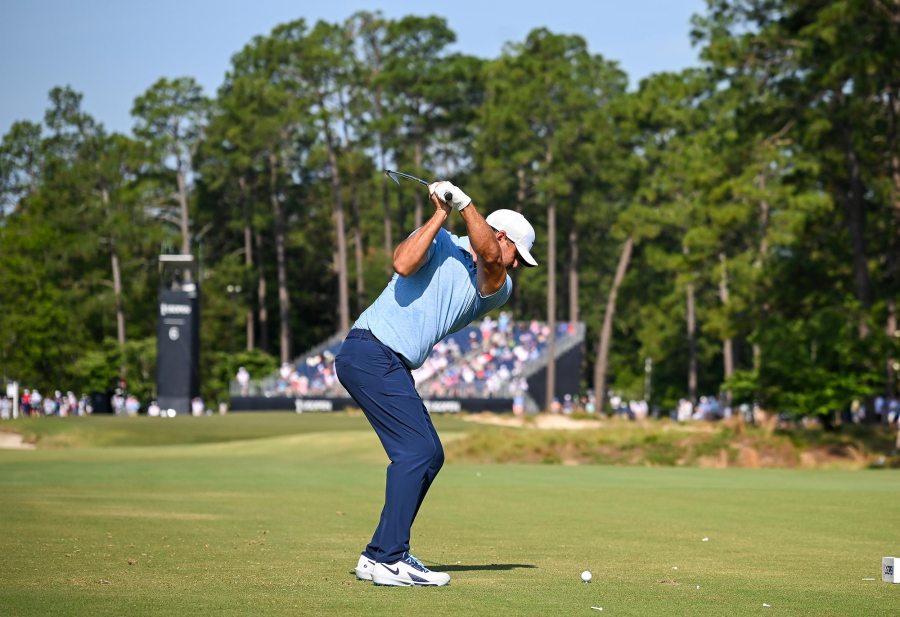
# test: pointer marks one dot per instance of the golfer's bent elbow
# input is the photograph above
(402, 269)
(404, 266)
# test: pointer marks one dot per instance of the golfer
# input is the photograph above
(441, 284)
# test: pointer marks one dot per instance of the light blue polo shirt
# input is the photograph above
(415, 312)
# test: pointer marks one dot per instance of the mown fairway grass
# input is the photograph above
(272, 525)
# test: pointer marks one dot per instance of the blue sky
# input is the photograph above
(113, 50)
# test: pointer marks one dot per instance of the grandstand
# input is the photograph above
(484, 366)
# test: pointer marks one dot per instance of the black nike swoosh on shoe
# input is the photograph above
(394, 572)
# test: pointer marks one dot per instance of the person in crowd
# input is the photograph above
(85, 405)
(72, 402)
(118, 402)
(284, 376)
(132, 405)
(243, 379)
(37, 401)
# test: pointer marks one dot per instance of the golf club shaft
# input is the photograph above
(407, 176)
(394, 174)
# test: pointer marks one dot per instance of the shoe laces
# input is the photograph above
(415, 563)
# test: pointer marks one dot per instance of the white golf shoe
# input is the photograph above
(407, 572)
(364, 568)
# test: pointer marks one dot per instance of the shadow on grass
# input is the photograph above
(470, 567)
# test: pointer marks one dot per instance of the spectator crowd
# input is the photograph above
(487, 360)
(32, 404)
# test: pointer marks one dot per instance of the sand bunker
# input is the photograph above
(14, 441)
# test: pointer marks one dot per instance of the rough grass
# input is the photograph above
(585, 441)
(663, 443)
(273, 526)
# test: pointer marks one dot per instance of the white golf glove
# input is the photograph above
(457, 198)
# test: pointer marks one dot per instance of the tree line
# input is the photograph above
(730, 229)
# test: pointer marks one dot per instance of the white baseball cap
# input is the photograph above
(517, 229)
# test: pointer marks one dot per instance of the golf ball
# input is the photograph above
(586, 576)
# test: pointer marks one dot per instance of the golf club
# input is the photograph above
(396, 175)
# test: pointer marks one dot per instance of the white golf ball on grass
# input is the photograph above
(586, 576)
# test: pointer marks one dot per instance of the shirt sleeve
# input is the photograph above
(496, 299)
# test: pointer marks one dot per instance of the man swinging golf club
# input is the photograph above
(441, 284)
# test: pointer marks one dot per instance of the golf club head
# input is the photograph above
(393, 176)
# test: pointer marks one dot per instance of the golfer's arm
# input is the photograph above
(410, 254)
(491, 271)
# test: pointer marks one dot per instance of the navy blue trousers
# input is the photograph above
(383, 387)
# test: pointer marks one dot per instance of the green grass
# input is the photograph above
(144, 431)
(265, 515)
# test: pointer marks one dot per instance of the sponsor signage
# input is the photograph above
(178, 349)
(445, 406)
(889, 573)
(174, 309)
(301, 405)
(309, 404)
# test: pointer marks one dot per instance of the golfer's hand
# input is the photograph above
(450, 194)
(439, 203)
